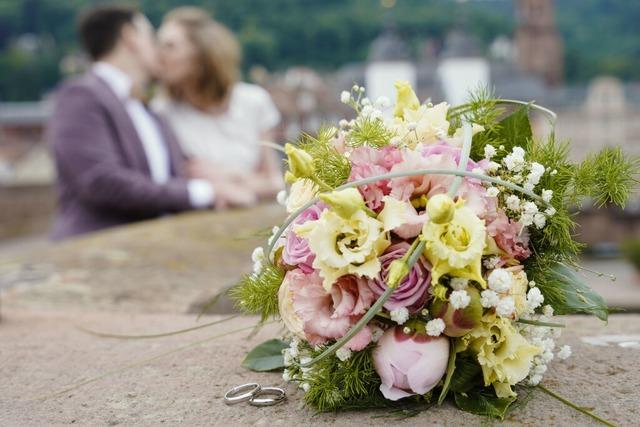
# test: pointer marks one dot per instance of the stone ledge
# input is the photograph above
(43, 351)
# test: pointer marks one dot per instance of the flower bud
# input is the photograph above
(398, 270)
(441, 209)
(344, 202)
(405, 98)
(300, 162)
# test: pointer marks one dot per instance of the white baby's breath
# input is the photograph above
(435, 327)
(500, 280)
(399, 315)
(489, 298)
(459, 299)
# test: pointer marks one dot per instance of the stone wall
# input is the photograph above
(25, 210)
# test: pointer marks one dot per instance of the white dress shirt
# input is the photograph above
(201, 193)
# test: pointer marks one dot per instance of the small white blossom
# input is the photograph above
(535, 380)
(526, 219)
(286, 375)
(459, 283)
(493, 166)
(479, 171)
(489, 298)
(288, 359)
(406, 330)
(514, 161)
(399, 315)
(528, 186)
(547, 195)
(500, 280)
(489, 151)
(435, 327)
(376, 334)
(411, 126)
(343, 123)
(539, 220)
(554, 172)
(491, 263)
(534, 298)
(550, 211)
(493, 192)
(258, 254)
(355, 88)
(506, 307)
(537, 170)
(547, 356)
(382, 102)
(459, 299)
(547, 310)
(513, 202)
(530, 208)
(343, 354)
(565, 352)
(281, 197)
(532, 283)
(517, 179)
(540, 369)
(305, 387)
(365, 101)
(345, 97)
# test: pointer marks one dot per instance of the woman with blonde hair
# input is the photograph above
(219, 121)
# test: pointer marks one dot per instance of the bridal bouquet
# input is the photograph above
(425, 255)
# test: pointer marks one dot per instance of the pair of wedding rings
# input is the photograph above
(255, 395)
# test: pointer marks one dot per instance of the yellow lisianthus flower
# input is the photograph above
(504, 355)
(350, 244)
(406, 98)
(456, 247)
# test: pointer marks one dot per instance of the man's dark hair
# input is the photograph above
(100, 28)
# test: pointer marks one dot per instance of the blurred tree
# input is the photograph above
(600, 35)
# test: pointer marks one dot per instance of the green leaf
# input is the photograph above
(467, 374)
(568, 294)
(515, 129)
(451, 366)
(266, 356)
(484, 403)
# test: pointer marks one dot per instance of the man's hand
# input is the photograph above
(230, 187)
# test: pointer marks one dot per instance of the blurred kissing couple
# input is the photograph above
(195, 145)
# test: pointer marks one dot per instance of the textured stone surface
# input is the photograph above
(44, 352)
(168, 265)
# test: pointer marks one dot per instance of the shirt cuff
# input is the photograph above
(201, 193)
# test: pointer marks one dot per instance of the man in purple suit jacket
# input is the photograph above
(116, 161)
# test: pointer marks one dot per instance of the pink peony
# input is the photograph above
(409, 365)
(367, 162)
(296, 250)
(437, 156)
(510, 236)
(412, 291)
(329, 315)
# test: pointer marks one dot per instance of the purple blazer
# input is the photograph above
(103, 175)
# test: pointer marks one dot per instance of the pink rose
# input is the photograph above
(367, 162)
(296, 250)
(510, 236)
(409, 365)
(412, 291)
(329, 315)
(437, 156)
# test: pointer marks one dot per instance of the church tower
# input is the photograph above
(538, 45)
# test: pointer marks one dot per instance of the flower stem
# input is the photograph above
(574, 406)
(370, 314)
(464, 158)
